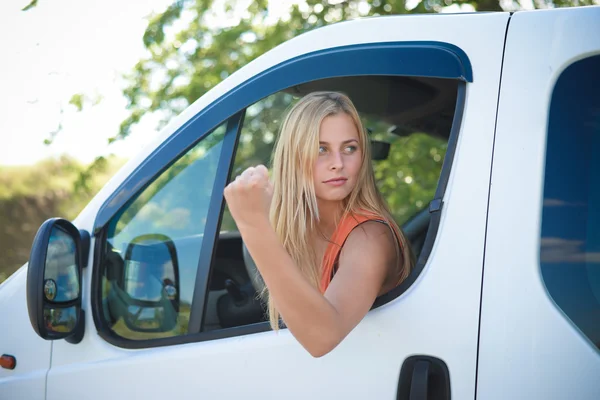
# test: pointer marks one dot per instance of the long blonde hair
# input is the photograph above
(294, 212)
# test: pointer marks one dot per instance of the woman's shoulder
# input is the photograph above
(351, 220)
(371, 244)
(371, 232)
(374, 243)
(361, 238)
(368, 230)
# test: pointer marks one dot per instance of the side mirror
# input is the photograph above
(146, 294)
(58, 254)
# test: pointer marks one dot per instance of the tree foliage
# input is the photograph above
(29, 195)
(32, 4)
(189, 53)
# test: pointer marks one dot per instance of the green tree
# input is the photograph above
(188, 53)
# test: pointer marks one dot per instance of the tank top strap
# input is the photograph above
(334, 248)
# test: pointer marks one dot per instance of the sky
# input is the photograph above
(64, 47)
(57, 49)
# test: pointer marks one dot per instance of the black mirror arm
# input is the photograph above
(85, 247)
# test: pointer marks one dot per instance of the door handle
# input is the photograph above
(424, 378)
(420, 381)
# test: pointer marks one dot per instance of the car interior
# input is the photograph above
(409, 105)
(144, 286)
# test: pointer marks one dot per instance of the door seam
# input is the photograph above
(48, 370)
(487, 215)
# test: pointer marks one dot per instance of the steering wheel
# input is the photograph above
(253, 273)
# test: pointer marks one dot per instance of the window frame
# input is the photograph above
(416, 59)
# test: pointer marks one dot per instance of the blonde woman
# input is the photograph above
(320, 233)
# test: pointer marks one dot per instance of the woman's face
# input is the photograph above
(339, 160)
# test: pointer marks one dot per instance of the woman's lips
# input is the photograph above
(336, 181)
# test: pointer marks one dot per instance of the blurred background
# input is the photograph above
(86, 83)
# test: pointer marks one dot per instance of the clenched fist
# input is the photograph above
(249, 197)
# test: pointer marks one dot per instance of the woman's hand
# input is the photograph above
(319, 322)
(249, 197)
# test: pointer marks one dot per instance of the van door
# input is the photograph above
(26, 357)
(541, 288)
(164, 281)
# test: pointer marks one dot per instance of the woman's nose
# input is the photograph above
(337, 162)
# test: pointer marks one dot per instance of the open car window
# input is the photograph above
(170, 264)
(409, 120)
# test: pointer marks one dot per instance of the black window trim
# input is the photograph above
(213, 222)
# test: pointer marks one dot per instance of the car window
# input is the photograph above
(153, 246)
(570, 233)
(407, 174)
(407, 177)
(149, 254)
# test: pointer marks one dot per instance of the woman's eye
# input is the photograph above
(350, 149)
(322, 150)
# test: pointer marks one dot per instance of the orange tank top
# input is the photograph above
(334, 248)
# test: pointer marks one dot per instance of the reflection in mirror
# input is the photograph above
(149, 318)
(61, 278)
(60, 319)
(150, 271)
(145, 290)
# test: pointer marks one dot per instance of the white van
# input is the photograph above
(155, 296)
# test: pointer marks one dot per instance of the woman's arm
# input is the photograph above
(320, 322)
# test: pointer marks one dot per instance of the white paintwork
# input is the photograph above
(17, 338)
(529, 350)
(421, 321)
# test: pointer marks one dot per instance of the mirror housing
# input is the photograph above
(58, 255)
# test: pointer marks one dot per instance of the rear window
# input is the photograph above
(570, 243)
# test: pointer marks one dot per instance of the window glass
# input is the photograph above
(153, 247)
(413, 116)
(570, 243)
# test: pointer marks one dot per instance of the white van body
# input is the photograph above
(480, 303)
